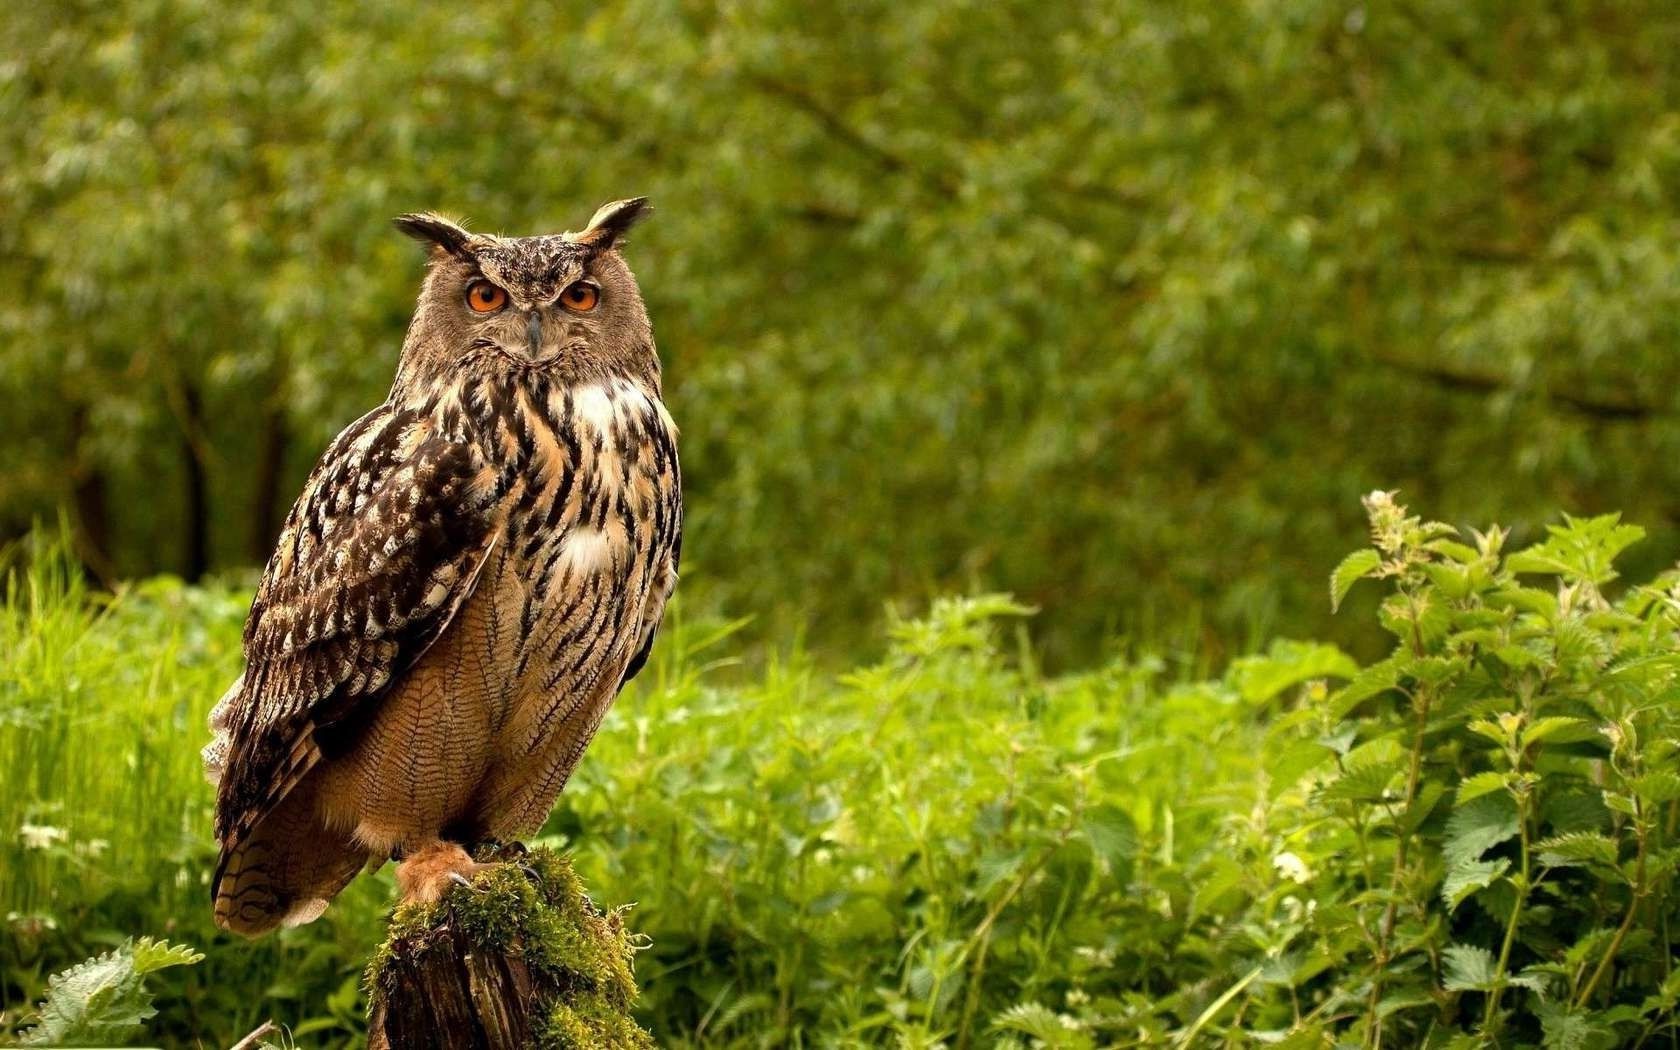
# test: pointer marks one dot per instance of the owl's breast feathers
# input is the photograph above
(574, 488)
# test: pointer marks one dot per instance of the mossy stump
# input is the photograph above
(511, 962)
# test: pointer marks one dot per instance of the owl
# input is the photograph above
(473, 571)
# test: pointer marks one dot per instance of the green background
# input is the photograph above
(1116, 307)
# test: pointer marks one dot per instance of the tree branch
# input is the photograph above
(1611, 410)
(837, 128)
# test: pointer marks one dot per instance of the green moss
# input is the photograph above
(584, 953)
(590, 1024)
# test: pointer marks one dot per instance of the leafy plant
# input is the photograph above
(1471, 840)
(104, 1001)
(1486, 817)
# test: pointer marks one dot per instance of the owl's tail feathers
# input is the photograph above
(285, 872)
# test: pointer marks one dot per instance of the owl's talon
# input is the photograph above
(531, 873)
(426, 873)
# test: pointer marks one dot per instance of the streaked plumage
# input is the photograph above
(472, 572)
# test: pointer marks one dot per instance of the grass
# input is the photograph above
(902, 853)
(1471, 841)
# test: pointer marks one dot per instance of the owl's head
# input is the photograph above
(563, 303)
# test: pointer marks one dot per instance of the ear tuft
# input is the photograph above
(429, 228)
(612, 221)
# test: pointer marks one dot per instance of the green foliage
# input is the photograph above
(903, 852)
(105, 814)
(1490, 823)
(104, 1001)
(1470, 840)
(904, 855)
(1109, 306)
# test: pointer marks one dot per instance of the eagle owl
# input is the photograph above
(473, 571)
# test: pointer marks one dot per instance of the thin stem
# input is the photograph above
(1641, 835)
(1498, 990)
(980, 941)
(1420, 706)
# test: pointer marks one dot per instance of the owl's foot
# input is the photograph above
(425, 874)
(515, 853)
(496, 849)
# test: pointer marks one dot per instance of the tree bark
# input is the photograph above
(520, 958)
(90, 501)
(271, 467)
(196, 533)
(447, 992)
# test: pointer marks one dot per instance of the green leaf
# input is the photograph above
(1621, 803)
(1341, 741)
(1455, 550)
(1287, 663)
(1044, 1025)
(1580, 548)
(1540, 978)
(1526, 599)
(1113, 836)
(1564, 1027)
(1589, 945)
(1578, 848)
(1429, 794)
(1394, 1004)
(1515, 656)
(1370, 780)
(1656, 788)
(1666, 997)
(151, 955)
(1492, 730)
(1451, 580)
(1477, 827)
(1377, 678)
(1481, 784)
(103, 1001)
(1565, 730)
(1468, 969)
(1353, 568)
(1466, 878)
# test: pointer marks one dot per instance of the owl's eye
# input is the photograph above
(485, 298)
(580, 297)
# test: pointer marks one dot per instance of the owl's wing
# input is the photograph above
(667, 540)
(377, 555)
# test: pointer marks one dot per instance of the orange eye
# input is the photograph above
(485, 298)
(580, 297)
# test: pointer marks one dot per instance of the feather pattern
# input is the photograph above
(403, 516)
(384, 544)
(472, 573)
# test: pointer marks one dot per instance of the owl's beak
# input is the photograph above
(533, 331)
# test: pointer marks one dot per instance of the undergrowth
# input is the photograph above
(1470, 842)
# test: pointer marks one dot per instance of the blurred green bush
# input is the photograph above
(1115, 307)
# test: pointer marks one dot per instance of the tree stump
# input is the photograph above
(514, 961)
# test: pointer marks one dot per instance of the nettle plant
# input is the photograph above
(1473, 841)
